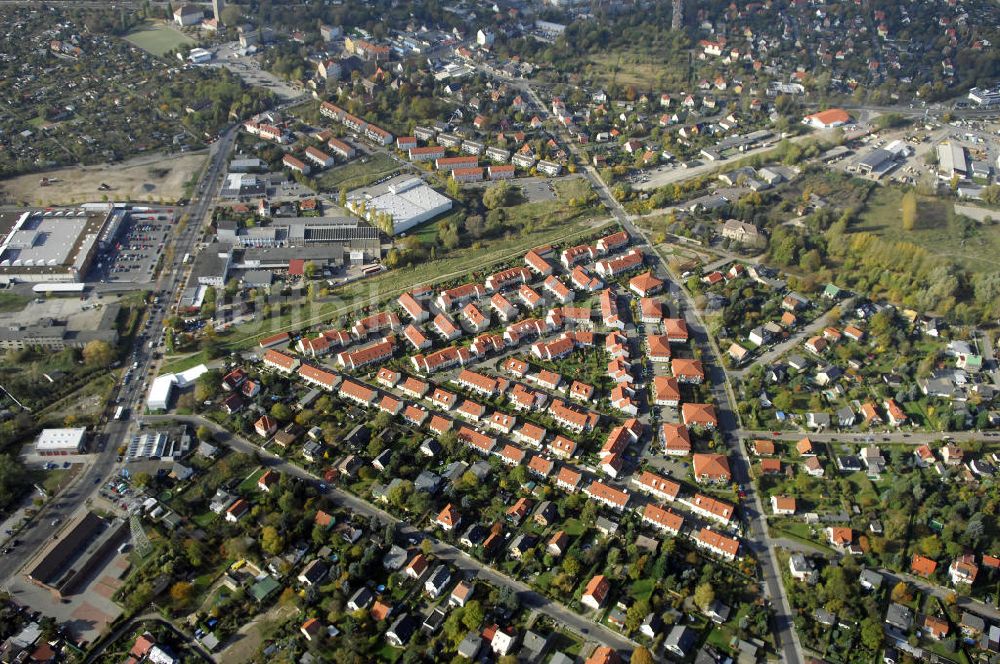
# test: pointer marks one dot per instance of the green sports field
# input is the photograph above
(158, 38)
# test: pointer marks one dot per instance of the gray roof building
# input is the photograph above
(899, 616)
(681, 640)
(533, 646)
(870, 579)
(257, 279)
(470, 645)
(211, 266)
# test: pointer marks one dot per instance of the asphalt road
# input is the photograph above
(896, 437)
(777, 350)
(466, 564)
(34, 537)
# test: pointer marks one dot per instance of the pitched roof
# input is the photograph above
(598, 587)
(281, 359)
(665, 388)
(718, 541)
(715, 466)
(448, 516)
(662, 517)
(841, 536)
(701, 414)
(717, 508)
(770, 466)
(654, 483)
(601, 491)
(686, 368)
(568, 476)
(324, 378)
(783, 503)
(676, 437)
(922, 565)
(830, 117)
(645, 283)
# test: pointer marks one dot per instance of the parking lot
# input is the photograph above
(537, 190)
(137, 249)
(248, 68)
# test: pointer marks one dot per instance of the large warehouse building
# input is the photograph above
(348, 232)
(50, 245)
(68, 564)
(407, 199)
(951, 161)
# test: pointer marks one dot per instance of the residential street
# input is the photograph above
(794, 340)
(963, 601)
(915, 438)
(757, 536)
(462, 561)
(986, 343)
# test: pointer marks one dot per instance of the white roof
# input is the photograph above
(159, 390)
(158, 655)
(408, 200)
(188, 376)
(951, 157)
(60, 439)
(58, 288)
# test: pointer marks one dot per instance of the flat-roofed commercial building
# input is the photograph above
(163, 386)
(72, 559)
(55, 442)
(407, 199)
(877, 163)
(211, 266)
(49, 245)
(350, 233)
(243, 185)
(53, 335)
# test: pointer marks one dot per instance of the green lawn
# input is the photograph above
(720, 638)
(535, 215)
(56, 479)
(249, 485)
(797, 531)
(642, 589)
(358, 173)
(205, 519)
(566, 642)
(862, 485)
(389, 654)
(186, 362)
(569, 204)
(574, 527)
(953, 239)
(158, 38)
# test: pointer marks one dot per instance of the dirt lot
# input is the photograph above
(146, 178)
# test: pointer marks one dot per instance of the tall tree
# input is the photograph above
(704, 595)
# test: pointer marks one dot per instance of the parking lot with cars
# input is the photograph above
(137, 248)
